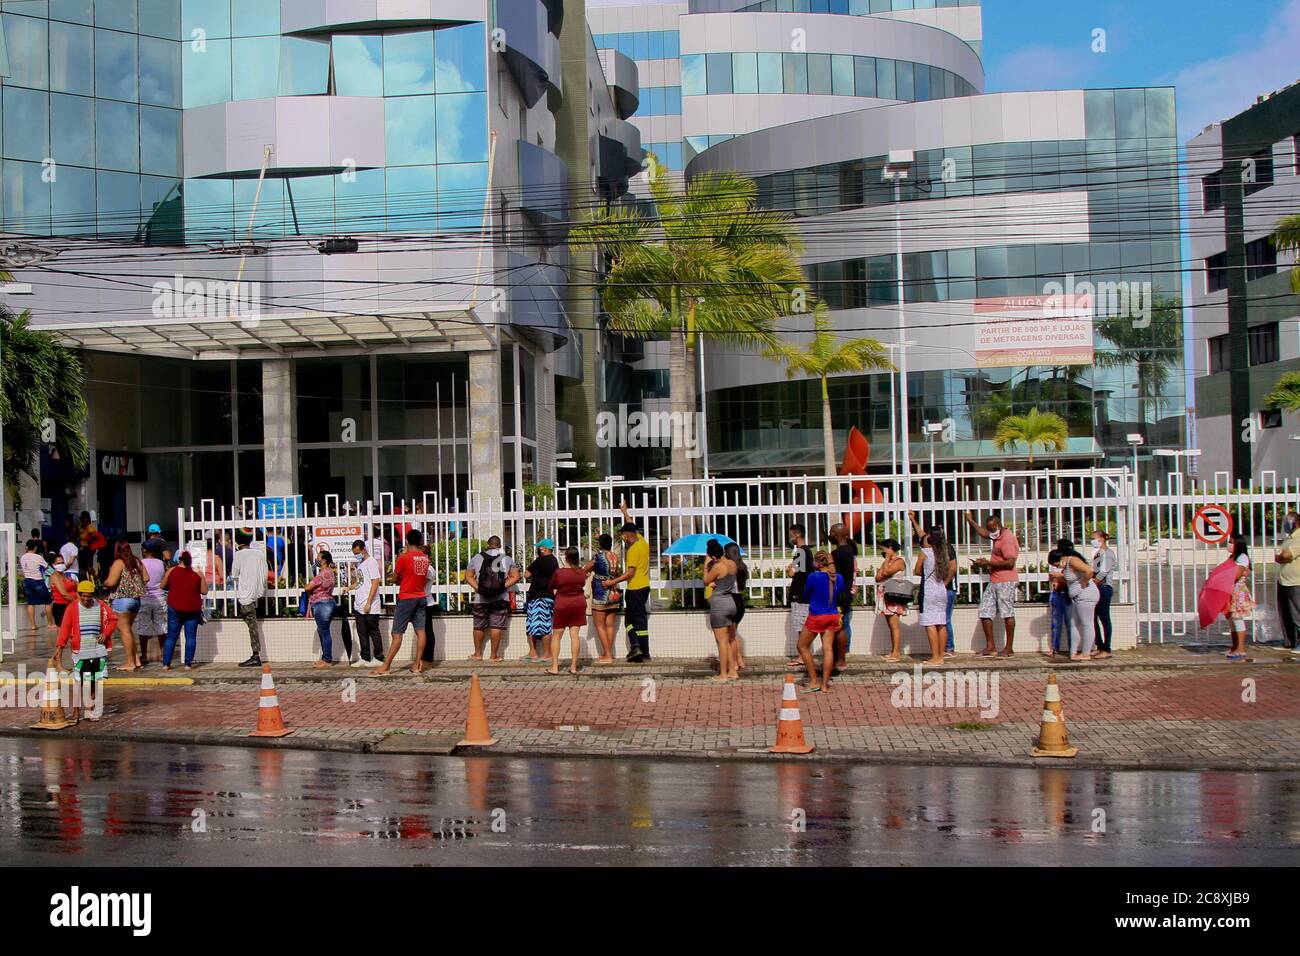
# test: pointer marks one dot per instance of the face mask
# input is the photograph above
(994, 535)
(1096, 543)
(1290, 525)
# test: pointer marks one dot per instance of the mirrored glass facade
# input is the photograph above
(819, 74)
(91, 126)
(1126, 168)
(91, 120)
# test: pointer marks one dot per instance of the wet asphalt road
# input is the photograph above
(76, 803)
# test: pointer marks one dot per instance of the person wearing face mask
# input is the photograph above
(63, 588)
(1288, 580)
(1103, 570)
(999, 598)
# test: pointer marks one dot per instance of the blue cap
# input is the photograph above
(546, 543)
(154, 529)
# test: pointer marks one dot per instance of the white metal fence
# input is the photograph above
(9, 574)
(1161, 563)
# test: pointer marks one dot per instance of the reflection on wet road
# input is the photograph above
(78, 803)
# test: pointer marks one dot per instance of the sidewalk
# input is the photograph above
(1156, 708)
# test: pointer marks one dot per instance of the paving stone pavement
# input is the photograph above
(1201, 716)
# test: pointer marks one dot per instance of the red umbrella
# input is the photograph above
(1216, 592)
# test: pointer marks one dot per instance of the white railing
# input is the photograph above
(10, 573)
(1173, 562)
(1161, 565)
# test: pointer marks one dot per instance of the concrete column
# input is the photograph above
(485, 423)
(28, 514)
(279, 426)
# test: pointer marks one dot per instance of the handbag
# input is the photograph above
(304, 601)
(899, 591)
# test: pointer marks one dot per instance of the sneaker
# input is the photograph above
(1295, 650)
(359, 663)
(253, 661)
(375, 663)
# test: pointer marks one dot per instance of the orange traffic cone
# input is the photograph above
(477, 733)
(789, 727)
(1052, 738)
(270, 722)
(52, 715)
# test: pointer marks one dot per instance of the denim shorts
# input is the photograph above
(36, 593)
(409, 611)
(126, 605)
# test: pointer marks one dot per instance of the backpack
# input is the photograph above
(491, 577)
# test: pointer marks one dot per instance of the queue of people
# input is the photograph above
(154, 597)
(146, 597)
(822, 589)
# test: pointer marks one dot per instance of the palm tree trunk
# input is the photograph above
(681, 391)
(828, 441)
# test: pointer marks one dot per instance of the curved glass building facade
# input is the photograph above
(1007, 196)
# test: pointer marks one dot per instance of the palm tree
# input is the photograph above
(1154, 350)
(1286, 394)
(828, 355)
(1286, 238)
(707, 262)
(39, 380)
(1045, 429)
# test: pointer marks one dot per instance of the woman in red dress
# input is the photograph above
(567, 584)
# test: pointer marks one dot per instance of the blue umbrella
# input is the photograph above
(696, 544)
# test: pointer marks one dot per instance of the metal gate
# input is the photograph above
(1161, 564)
(9, 574)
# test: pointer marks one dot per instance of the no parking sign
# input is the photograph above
(1212, 524)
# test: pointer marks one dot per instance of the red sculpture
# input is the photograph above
(856, 455)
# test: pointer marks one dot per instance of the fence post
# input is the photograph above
(8, 553)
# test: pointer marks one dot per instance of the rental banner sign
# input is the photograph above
(1021, 330)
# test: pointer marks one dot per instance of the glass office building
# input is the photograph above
(1006, 194)
(307, 249)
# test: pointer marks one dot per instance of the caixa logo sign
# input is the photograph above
(125, 466)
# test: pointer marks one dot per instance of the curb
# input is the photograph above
(695, 670)
(896, 758)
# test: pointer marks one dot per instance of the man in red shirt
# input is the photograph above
(999, 599)
(410, 570)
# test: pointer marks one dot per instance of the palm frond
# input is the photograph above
(1046, 430)
(827, 354)
(1285, 394)
(1286, 238)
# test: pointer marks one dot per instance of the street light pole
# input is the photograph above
(897, 348)
(897, 169)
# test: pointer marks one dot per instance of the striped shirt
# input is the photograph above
(91, 648)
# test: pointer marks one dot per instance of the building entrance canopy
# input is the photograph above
(283, 335)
